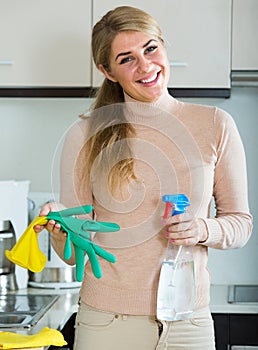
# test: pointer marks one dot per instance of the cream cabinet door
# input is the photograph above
(244, 35)
(45, 43)
(198, 38)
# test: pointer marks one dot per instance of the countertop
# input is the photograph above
(67, 304)
(219, 302)
(58, 314)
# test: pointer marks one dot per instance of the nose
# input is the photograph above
(143, 64)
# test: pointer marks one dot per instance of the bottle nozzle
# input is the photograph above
(178, 202)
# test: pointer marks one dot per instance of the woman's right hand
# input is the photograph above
(58, 237)
(51, 226)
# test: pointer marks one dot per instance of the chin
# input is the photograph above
(155, 96)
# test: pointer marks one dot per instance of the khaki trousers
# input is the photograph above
(97, 330)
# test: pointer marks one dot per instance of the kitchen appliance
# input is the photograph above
(14, 209)
(7, 268)
(56, 273)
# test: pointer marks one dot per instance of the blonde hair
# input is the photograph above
(121, 19)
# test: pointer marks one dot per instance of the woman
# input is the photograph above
(138, 144)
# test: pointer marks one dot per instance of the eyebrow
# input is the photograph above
(128, 52)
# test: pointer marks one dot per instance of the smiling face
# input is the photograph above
(139, 64)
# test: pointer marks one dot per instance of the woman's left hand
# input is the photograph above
(185, 230)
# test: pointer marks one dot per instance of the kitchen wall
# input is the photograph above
(32, 132)
(241, 265)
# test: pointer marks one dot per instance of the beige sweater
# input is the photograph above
(179, 148)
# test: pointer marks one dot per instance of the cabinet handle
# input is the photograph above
(6, 235)
(178, 64)
(6, 62)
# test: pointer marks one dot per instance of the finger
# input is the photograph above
(174, 219)
(180, 233)
(180, 236)
(50, 225)
(189, 241)
(104, 254)
(187, 237)
(68, 248)
(56, 228)
(53, 227)
(94, 261)
(38, 228)
(45, 210)
(52, 206)
(184, 225)
(185, 217)
(79, 256)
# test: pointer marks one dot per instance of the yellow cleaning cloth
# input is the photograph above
(45, 337)
(26, 252)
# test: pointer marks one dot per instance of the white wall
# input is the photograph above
(31, 130)
(241, 265)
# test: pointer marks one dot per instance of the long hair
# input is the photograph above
(121, 19)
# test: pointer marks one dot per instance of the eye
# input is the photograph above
(151, 48)
(126, 59)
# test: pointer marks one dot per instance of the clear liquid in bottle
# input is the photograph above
(176, 290)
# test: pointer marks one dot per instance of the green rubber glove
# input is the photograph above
(78, 234)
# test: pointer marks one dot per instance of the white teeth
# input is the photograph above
(149, 80)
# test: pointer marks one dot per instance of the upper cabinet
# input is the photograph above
(45, 43)
(244, 39)
(197, 35)
(244, 35)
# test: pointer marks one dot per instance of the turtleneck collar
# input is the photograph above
(165, 102)
(151, 113)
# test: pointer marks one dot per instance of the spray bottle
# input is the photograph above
(176, 288)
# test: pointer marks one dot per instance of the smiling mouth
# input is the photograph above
(151, 80)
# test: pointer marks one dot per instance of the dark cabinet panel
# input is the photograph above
(221, 326)
(244, 329)
(235, 329)
(68, 333)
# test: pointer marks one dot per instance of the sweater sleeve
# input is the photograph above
(232, 226)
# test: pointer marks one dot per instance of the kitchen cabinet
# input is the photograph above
(235, 329)
(244, 35)
(197, 35)
(45, 43)
(68, 333)
(221, 327)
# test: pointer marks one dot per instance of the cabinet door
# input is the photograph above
(244, 35)
(221, 327)
(45, 43)
(197, 35)
(244, 329)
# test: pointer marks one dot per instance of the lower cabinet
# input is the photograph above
(68, 333)
(235, 330)
(221, 325)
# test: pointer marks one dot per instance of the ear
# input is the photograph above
(106, 73)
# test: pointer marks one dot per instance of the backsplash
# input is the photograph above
(32, 131)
